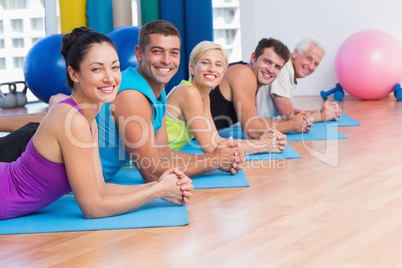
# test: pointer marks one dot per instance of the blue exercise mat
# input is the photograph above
(64, 215)
(193, 148)
(317, 132)
(343, 121)
(220, 179)
(288, 153)
(212, 179)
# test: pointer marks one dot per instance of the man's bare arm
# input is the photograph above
(284, 106)
(243, 86)
(13, 122)
(150, 152)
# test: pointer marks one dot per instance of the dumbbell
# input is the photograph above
(21, 95)
(398, 92)
(8, 100)
(337, 91)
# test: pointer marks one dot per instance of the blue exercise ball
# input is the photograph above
(45, 69)
(126, 38)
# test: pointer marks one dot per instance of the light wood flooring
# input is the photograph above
(340, 205)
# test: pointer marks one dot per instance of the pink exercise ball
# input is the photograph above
(369, 64)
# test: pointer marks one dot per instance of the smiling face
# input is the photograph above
(267, 66)
(99, 76)
(305, 63)
(160, 59)
(209, 69)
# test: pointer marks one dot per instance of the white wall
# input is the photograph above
(330, 21)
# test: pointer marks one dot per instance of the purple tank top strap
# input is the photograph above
(75, 105)
(72, 103)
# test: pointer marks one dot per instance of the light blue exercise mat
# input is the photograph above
(343, 121)
(64, 215)
(317, 132)
(212, 179)
(193, 148)
(220, 179)
(288, 153)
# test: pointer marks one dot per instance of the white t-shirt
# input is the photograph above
(265, 103)
(284, 85)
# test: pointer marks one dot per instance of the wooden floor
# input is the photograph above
(338, 206)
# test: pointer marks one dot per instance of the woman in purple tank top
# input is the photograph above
(63, 155)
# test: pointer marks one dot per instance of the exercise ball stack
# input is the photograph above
(368, 64)
(45, 69)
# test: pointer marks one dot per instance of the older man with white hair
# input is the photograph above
(275, 99)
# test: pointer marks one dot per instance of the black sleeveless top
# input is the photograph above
(222, 110)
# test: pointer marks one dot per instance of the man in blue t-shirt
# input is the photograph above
(138, 113)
